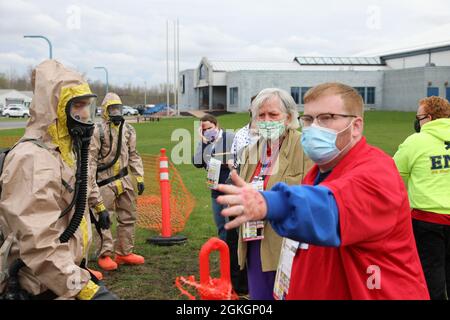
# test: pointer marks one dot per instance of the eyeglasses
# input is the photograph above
(323, 119)
(420, 117)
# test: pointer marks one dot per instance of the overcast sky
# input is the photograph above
(129, 37)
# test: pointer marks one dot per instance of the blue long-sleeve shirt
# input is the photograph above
(304, 213)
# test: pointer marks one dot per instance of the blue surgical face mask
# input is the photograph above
(319, 143)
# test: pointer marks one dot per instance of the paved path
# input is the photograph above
(12, 124)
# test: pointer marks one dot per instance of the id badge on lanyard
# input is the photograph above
(283, 277)
(254, 230)
(212, 179)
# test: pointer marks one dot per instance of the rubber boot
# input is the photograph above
(96, 274)
(106, 263)
(131, 259)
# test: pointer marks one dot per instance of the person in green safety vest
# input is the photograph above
(423, 160)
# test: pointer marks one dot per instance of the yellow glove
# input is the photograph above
(99, 208)
(88, 292)
(139, 179)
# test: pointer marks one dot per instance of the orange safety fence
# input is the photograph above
(8, 141)
(149, 204)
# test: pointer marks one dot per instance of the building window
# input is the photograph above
(295, 93)
(304, 90)
(432, 91)
(370, 99)
(362, 92)
(182, 84)
(234, 95)
(202, 72)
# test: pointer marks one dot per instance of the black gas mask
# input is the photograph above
(78, 113)
(81, 127)
(115, 113)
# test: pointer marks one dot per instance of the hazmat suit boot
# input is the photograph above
(130, 259)
(96, 274)
(106, 263)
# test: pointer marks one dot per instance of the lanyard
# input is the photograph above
(219, 138)
(267, 165)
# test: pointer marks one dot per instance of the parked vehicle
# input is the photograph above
(129, 111)
(16, 111)
(140, 108)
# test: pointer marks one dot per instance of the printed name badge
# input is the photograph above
(283, 277)
(212, 179)
(254, 230)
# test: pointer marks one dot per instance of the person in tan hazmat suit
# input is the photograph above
(46, 190)
(112, 153)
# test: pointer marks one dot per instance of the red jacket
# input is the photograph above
(377, 258)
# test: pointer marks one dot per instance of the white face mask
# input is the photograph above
(271, 130)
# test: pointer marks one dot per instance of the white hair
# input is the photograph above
(287, 105)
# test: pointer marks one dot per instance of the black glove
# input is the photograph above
(103, 219)
(104, 294)
(141, 188)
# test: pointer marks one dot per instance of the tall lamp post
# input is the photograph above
(50, 47)
(107, 81)
(145, 93)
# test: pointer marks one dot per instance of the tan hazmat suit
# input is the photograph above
(118, 195)
(38, 184)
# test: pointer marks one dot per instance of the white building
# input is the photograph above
(11, 96)
(391, 82)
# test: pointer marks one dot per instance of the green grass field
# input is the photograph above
(155, 279)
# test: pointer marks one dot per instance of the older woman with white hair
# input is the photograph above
(277, 157)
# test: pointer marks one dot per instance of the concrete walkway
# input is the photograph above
(12, 124)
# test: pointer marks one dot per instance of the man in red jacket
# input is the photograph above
(351, 212)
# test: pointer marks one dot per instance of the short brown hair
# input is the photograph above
(353, 102)
(436, 107)
(210, 118)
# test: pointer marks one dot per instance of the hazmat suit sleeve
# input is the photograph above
(95, 199)
(35, 220)
(135, 160)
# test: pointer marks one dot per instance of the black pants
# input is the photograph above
(238, 277)
(433, 245)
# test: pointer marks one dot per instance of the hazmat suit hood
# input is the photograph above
(439, 128)
(111, 98)
(55, 86)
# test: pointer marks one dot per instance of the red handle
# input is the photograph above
(214, 244)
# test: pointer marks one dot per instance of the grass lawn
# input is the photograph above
(155, 279)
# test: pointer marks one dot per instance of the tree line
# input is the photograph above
(131, 95)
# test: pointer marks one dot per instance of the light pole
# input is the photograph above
(107, 82)
(50, 48)
(167, 65)
(178, 67)
(145, 93)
